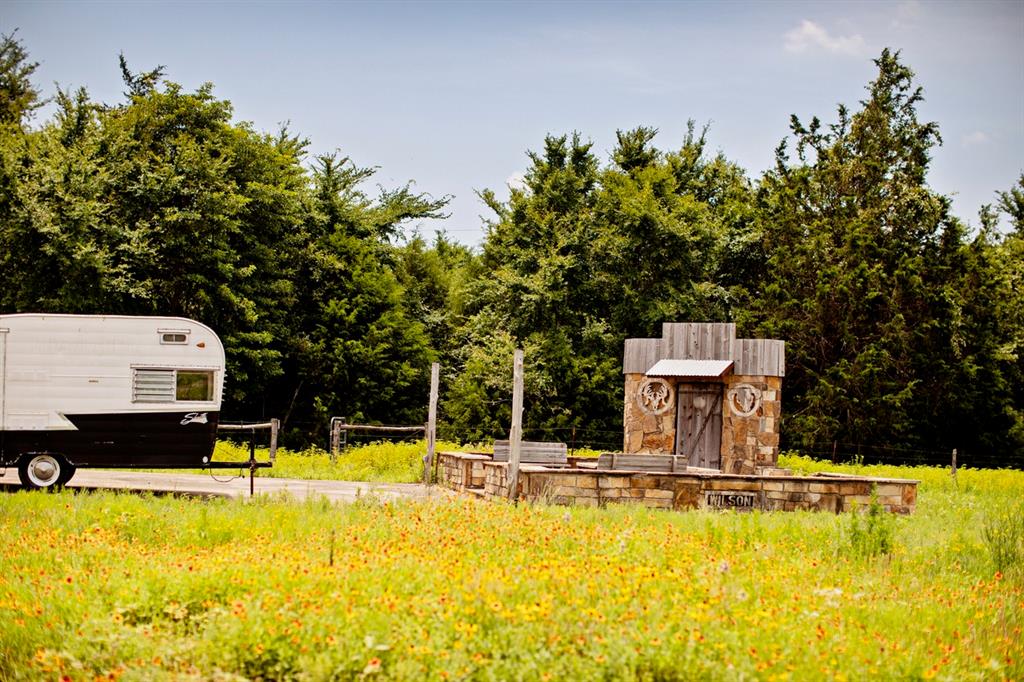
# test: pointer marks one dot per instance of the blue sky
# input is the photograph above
(452, 95)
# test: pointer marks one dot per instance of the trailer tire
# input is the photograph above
(66, 474)
(43, 471)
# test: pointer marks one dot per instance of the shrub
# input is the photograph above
(870, 534)
(1004, 537)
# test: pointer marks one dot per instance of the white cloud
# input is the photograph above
(975, 139)
(907, 14)
(811, 37)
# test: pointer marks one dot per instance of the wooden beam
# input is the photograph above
(374, 428)
(515, 435)
(275, 426)
(335, 436)
(428, 465)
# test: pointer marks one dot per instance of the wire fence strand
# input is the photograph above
(611, 440)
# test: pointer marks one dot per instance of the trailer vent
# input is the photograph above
(153, 386)
(174, 337)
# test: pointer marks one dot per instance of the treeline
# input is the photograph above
(904, 326)
(163, 205)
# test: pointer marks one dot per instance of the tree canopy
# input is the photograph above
(904, 323)
(162, 204)
(882, 298)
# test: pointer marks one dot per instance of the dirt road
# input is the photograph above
(226, 486)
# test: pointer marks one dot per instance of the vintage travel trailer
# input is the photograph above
(106, 391)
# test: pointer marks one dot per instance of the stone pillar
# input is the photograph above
(649, 415)
(750, 423)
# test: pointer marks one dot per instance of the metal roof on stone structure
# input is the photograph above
(706, 341)
(689, 368)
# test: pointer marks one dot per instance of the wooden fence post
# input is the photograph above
(952, 468)
(515, 435)
(428, 465)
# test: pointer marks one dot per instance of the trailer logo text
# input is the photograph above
(194, 418)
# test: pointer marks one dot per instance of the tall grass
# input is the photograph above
(379, 462)
(138, 587)
(932, 478)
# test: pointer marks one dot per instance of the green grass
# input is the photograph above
(968, 480)
(150, 588)
(379, 462)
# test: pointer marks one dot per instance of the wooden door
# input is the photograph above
(699, 424)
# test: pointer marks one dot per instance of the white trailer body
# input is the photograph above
(113, 391)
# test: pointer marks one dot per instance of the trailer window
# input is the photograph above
(194, 386)
(170, 385)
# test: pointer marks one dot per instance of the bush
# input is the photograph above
(1004, 538)
(870, 534)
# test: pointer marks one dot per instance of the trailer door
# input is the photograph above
(3, 387)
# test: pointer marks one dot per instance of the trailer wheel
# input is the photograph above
(43, 470)
(66, 474)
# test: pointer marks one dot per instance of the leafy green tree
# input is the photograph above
(58, 245)
(584, 256)
(1009, 296)
(671, 223)
(534, 259)
(159, 205)
(163, 205)
(19, 98)
(356, 353)
(872, 283)
(1011, 202)
(210, 214)
(434, 281)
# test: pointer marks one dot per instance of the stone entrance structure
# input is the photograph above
(701, 432)
(700, 393)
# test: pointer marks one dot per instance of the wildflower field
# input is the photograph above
(138, 587)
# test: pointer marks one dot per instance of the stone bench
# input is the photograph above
(671, 464)
(534, 452)
(659, 463)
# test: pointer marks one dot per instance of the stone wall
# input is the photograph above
(750, 423)
(645, 430)
(461, 470)
(591, 489)
(478, 474)
(751, 409)
(496, 479)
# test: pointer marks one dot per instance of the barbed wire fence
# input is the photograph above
(611, 440)
(841, 452)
